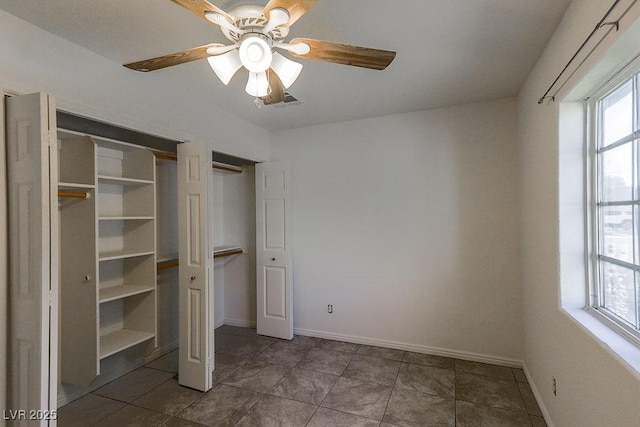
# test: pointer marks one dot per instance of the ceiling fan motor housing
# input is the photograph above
(250, 18)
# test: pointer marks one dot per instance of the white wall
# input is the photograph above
(408, 225)
(595, 388)
(239, 199)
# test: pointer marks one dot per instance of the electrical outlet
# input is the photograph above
(330, 308)
(554, 386)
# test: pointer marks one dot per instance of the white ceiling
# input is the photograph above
(448, 51)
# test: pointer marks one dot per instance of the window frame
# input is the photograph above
(594, 255)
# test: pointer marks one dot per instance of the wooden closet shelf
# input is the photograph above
(109, 256)
(118, 180)
(123, 291)
(120, 340)
(74, 185)
(214, 165)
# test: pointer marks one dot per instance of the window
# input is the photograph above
(615, 288)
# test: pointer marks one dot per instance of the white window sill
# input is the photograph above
(623, 350)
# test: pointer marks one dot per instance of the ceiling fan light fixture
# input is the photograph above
(257, 84)
(255, 54)
(226, 65)
(286, 69)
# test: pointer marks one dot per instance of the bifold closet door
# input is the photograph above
(274, 251)
(33, 259)
(196, 267)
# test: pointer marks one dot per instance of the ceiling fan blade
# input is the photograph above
(199, 7)
(173, 58)
(356, 56)
(277, 90)
(296, 8)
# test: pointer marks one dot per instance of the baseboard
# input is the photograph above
(538, 396)
(161, 351)
(63, 399)
(240, 323)
(474, 357)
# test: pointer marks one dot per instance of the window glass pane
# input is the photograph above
(617, 173)
(617, 115)
(617, 232)
(619, 293)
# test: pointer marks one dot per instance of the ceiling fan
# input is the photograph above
(255, 33)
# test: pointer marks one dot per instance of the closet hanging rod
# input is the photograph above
(214, 165)
(73, 194)
(163, 265)
(167, 264)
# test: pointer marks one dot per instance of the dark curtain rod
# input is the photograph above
(603, 22)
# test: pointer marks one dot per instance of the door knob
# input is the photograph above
(193, 278)
(273, 259)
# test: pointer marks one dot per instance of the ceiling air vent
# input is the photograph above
(289, 101)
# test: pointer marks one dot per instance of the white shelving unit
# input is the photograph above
(108, 246)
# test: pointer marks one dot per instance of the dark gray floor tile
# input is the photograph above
(225, 365)
(237, 330)
(493, 371)
(221, 406)
(134, 416)
(282, 354)
(427, 379)
(302, 342)
(275, 411)
(168, 362)
(221, 341)
(89, 407)
(305, 386)
(345, 347)
(410, 408)
(385, 353)
(134, 384)
(529, 400)
(245, 346)
(328, 417)
(179, 422)
(326, 361)
(472, 415)
(168, 398)
(372, 369)
(537, 421)
(257, 376)
(489, 391)
(519, 375)
(429, 360)
(358, 397)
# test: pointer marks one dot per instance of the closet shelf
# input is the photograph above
(121, 340)
(118, 180)
(110, 256)
(74, 185)
(125, 218)
(123, 291)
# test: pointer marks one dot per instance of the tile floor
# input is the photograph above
(312, 382)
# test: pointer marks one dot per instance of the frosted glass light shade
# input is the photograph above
(255, 54)
(258, 84)
(225, 66)
(286, 69)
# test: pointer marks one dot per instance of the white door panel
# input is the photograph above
(33, 265)
(274, 252)
(196, 259)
